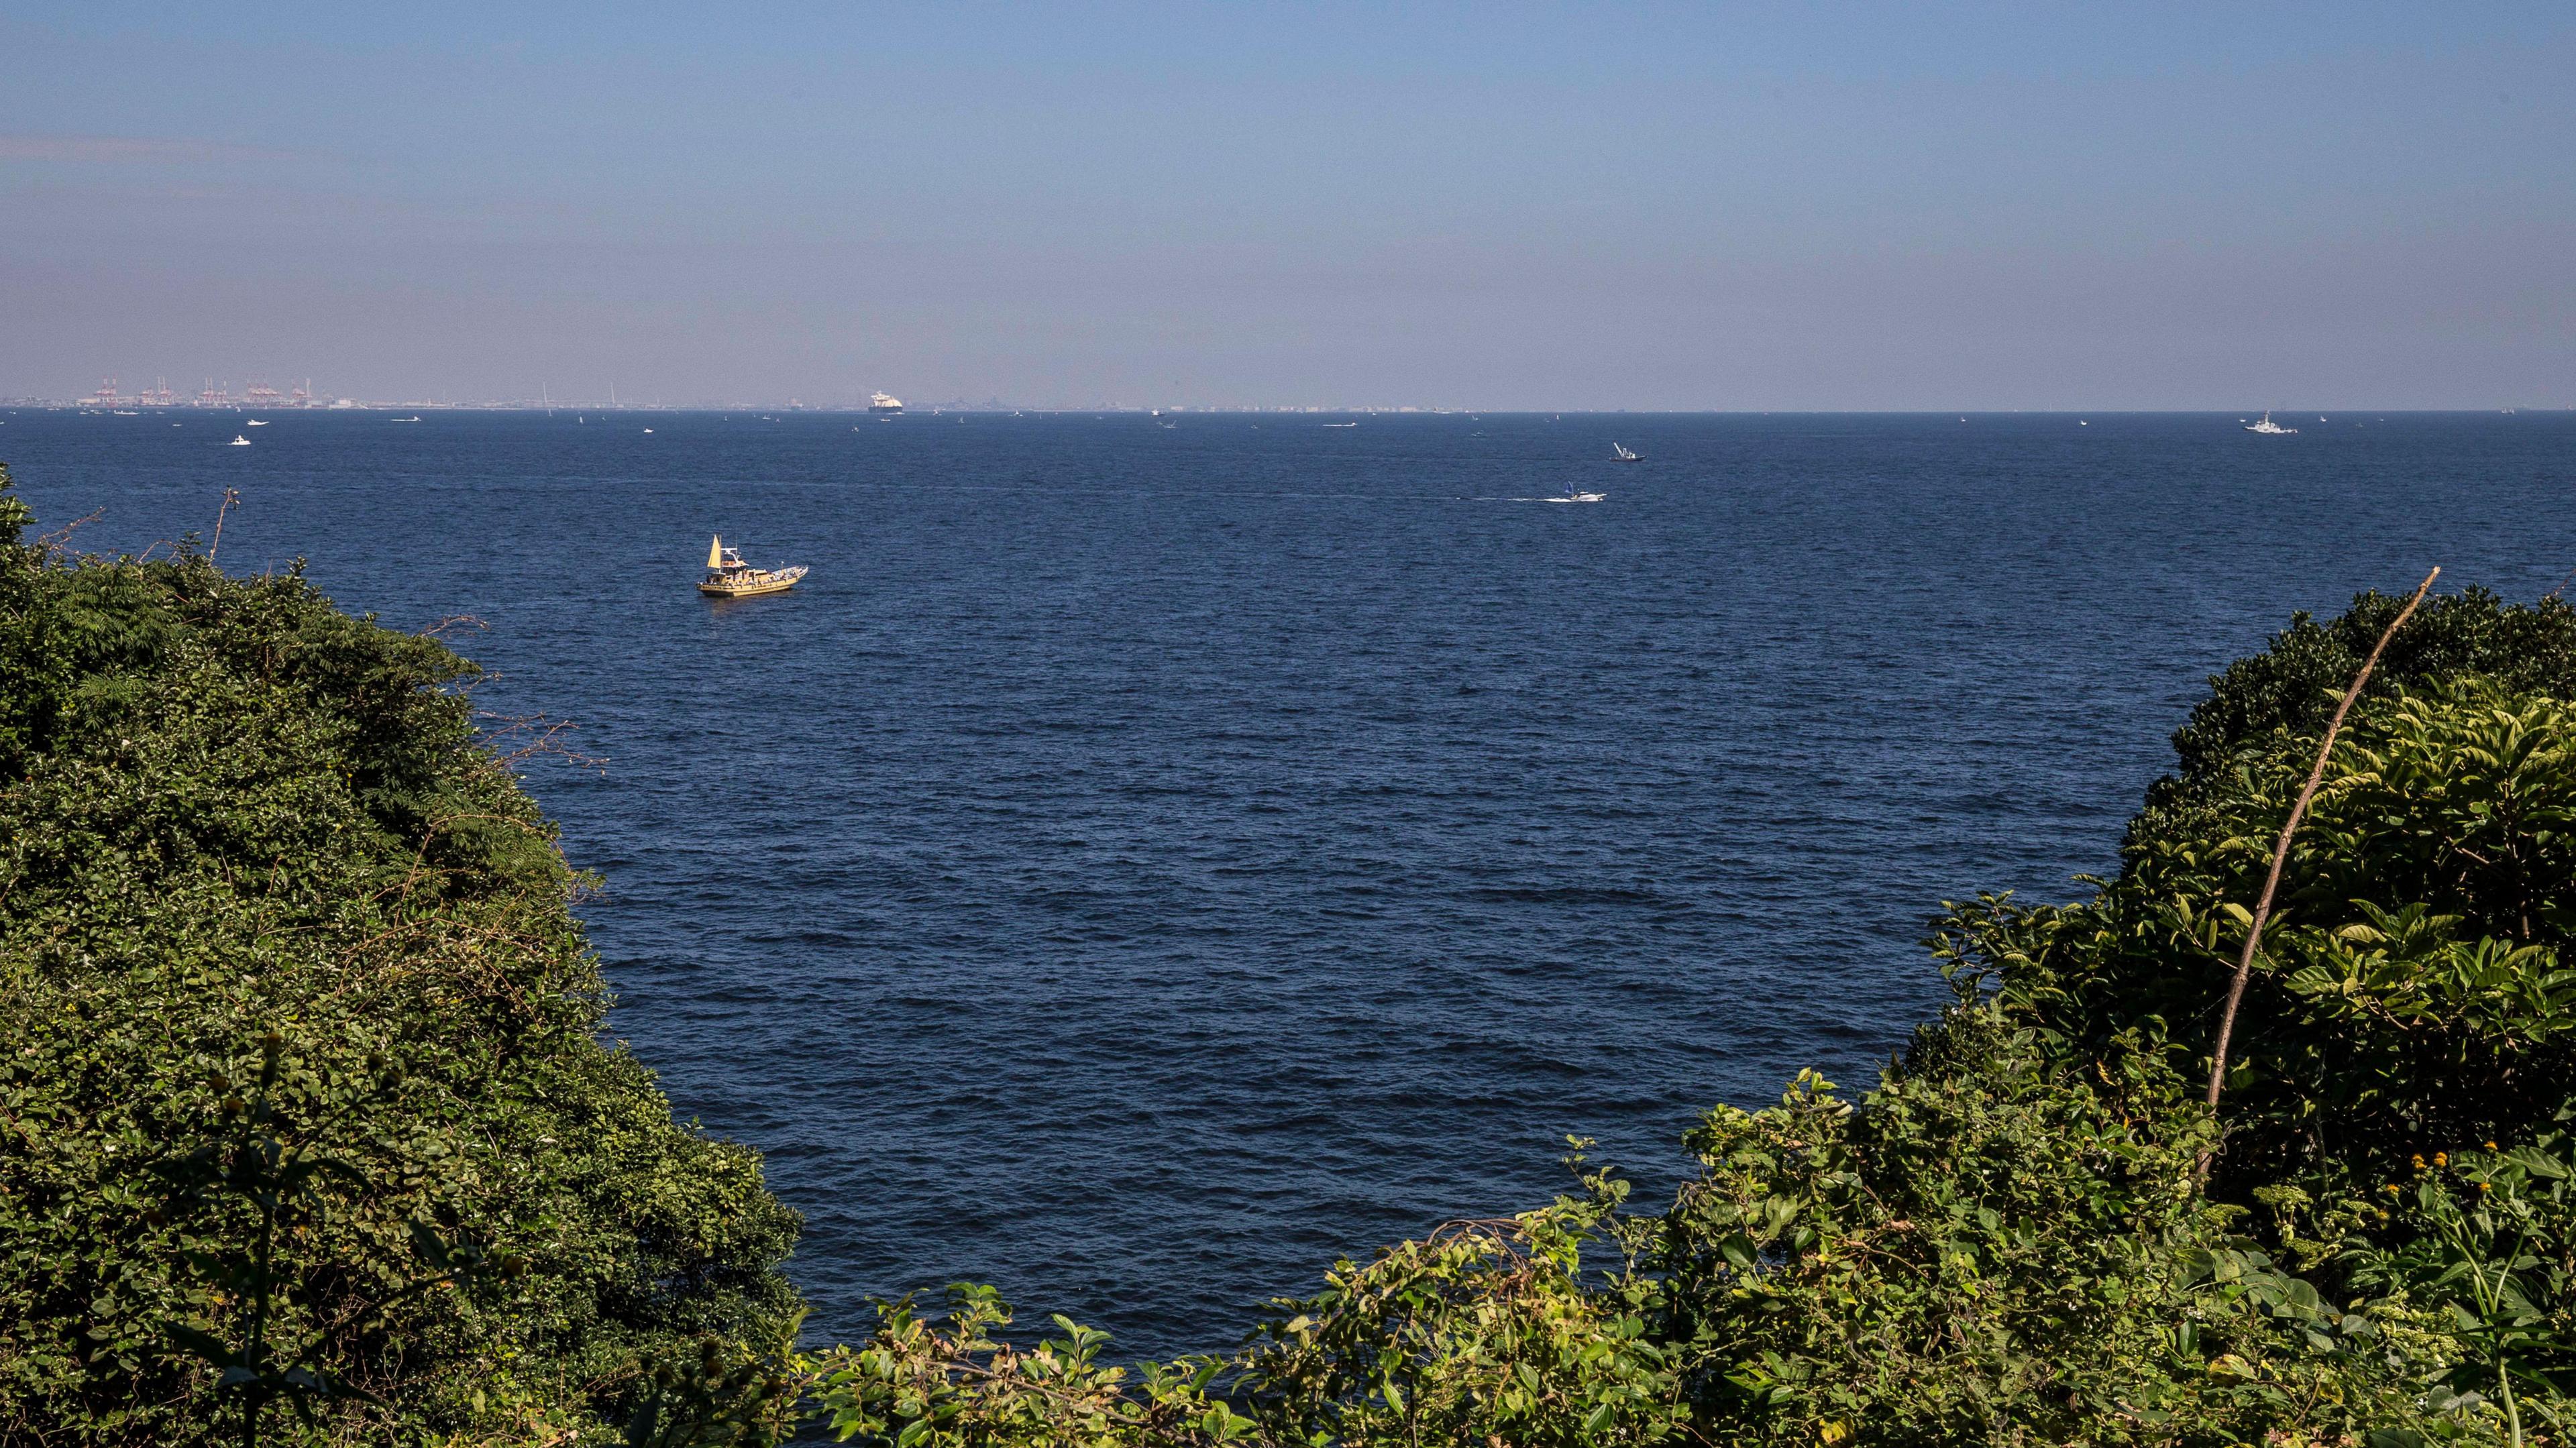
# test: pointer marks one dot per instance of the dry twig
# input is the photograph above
(53, 542)
(514, 739)
(2281, 850)
(231, 497)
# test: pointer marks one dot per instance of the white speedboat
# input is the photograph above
(255, 422)
(2270, 428)
(1571, 496)
(1620, 454)
(238, 441)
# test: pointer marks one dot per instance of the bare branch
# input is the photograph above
(53, 542)
(232, 497)
(2281, 850)
(514, 739)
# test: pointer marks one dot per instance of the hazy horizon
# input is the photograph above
(1519, 208)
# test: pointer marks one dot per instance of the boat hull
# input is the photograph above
(746, 588)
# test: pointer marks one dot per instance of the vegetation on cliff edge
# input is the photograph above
(228, 809)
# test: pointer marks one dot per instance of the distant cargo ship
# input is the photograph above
(882, 402)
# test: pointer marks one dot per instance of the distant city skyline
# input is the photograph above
(1977, 207)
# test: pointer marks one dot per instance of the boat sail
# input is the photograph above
(729, 577)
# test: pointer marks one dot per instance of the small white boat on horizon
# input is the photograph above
(254, 422)
(2270, 428)
(1571, 496)
(238, 441)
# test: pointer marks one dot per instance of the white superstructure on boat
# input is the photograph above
(884, 402)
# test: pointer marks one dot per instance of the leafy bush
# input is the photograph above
(2290, 687)
(2489, 1240)
(2409, 997)
(227, 810)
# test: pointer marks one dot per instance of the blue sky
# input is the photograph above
(1714, 206)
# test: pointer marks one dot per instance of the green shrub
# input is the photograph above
(2291, 686)
(228, 809)
(2409, 996)
(2003, 1246)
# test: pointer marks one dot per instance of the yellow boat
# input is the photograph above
(729, 577)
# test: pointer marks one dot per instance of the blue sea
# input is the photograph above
(1141, 864)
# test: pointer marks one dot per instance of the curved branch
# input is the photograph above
(2281, 850)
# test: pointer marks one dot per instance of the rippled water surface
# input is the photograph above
(1142, 863)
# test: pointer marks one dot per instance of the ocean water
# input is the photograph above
(1141, 864)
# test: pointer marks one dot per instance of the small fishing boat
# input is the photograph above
(1620, 454)
(1571, 496)
(729, 577)
(238, 441)
(255, 422)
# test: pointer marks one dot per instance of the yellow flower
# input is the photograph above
(2441, 1158)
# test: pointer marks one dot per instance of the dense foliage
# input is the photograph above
(301, 1102)
(244, 833)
